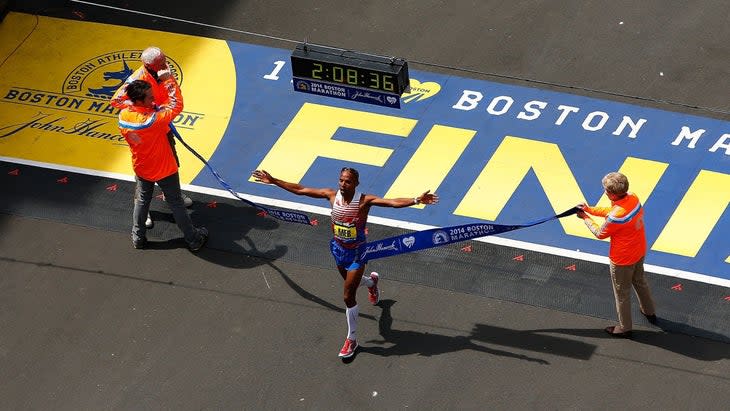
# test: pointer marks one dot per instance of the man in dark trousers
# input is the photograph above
(144, 126)
(153, 61)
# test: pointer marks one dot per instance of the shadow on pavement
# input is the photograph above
(401, 342)
(667, 339)
(231, 228)
(311, 297)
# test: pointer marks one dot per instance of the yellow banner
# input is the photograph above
(58, 75)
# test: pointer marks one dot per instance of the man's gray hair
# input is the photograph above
(150, 54)
(616, 183)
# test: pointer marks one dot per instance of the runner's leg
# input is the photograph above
(352, 281)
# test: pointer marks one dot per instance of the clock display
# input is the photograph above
(350, 68)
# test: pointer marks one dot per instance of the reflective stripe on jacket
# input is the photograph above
(624, 226)
(145, 130)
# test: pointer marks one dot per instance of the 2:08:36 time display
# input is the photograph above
(353, 76)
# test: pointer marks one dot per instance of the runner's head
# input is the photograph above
(349, 179)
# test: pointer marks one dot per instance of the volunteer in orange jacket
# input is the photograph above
(153, 60)
(144, 126)
(624, 226)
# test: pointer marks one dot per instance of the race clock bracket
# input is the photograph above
(347, 74)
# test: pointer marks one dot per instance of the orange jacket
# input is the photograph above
(120, 99)
(145, 130)
(624, 225)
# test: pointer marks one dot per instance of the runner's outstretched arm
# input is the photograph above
(264, 177)
(425, 198)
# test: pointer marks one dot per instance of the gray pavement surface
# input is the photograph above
(88, 323)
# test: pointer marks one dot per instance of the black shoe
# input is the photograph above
(625, 334)
(202, 239)
(140, 245)
(651, 318)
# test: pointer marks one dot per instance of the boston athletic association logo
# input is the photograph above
(82, 108)
(102, 75)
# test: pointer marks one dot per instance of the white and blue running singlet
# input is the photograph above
(348, 231)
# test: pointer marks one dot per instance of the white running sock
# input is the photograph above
(366, 281)
(352, 314)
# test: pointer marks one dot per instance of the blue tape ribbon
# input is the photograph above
(289, 216)
(405, 243)
(436, 237)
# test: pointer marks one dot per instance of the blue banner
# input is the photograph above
(436, 237)
(288, 216)
(346, 92)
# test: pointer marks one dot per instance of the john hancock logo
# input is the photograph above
(85, 94)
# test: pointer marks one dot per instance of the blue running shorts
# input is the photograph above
(349, 258)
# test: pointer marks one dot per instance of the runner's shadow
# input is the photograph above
(309, 296)
(533, 341)
(397, 342)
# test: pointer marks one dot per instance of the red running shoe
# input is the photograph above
(348, 350)
(374, 292)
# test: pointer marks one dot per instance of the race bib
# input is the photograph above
(345, 231)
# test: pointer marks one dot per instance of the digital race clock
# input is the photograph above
(350, 68)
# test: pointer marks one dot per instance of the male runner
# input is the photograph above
(350, 210)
